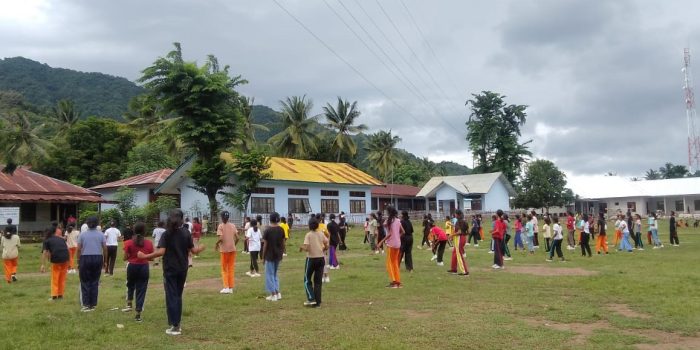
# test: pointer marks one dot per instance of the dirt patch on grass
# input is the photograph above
(207, 283)
(624, 310)
(549, 271)
(415, 314)
(656, 339)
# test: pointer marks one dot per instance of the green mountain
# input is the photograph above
(41, 85)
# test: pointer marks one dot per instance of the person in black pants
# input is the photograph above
(673, 229)
(315, 244)
(91, 247)
(586, 235)
(175, 246)
(407, 241)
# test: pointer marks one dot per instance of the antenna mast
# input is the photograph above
(691, 115)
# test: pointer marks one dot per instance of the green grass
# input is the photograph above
(488, 310)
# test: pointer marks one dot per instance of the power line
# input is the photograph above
(344, 60)
(391, 21)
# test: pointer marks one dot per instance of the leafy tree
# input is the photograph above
(147, 157)
(64, 116)
(409, 173)
(250, 169)
(298, 138)
(382, 153)
(671, 171)
(20, 142)
(341, 119)
(493, 132)
(543, 186)
(208, 110)
(652, 174)
(248, 125)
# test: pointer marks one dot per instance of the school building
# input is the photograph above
(143, 186)
(613, 194)
(296, 186)
(41, 199)
(401, 197)
(478, 192)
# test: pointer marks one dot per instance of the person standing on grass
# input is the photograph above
(530, 234)
(602, 240)
(315, 244)
(557, 241)
(137, 272)
(10, 251)
(449, 227)
(618, 233)
(547, 233)
(157, 234)
(228, 238)
(426, 232)
(273, 246)
(536, 239)
(506, 238)
(586, 235)
(112, 235)
(72, 243)
(196, 232)
(654, 228)
(343, 223)
(459, 262)
(372, 232)
(285, 227)
(497, 235)
(175, 247)
(321, 218)
(394, 231)
(56, 251)
(624, 242)
(638, 244)
(366, 229)
(253, 238)
(246, 226)
(439, 244)
(474, 232)
(571, 230)
(381, 231)
(673, 230)
(494, 218)
(92, 245)
(290, 220)
(407, 241)
(335, 239)
(518, 233)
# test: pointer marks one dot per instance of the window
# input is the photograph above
(679, 206)
(298, 192)
(329, 193)
(329, 206)
(617, 204)
(358, 194)
(27, 212)
(259, 205)
(476, 204)
(299, 205)
(357, 207)
(264, 190)
(632, 206)
(697, 205)
(660, 206)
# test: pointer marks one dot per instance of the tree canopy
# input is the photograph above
(543, 186)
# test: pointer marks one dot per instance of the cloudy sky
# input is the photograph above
(602, 78)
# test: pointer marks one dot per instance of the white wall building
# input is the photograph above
(477, 192)
(143, 186)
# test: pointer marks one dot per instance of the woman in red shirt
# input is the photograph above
(137, 272)
(196, 232)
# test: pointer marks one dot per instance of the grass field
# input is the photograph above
(644, 299)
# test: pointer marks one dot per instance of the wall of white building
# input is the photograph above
(141, 196)
(637, 205)
(282, 196)
(497, 198)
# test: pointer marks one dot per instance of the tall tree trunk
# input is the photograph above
(213, 207)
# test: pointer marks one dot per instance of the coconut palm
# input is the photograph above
(64, 115)
(298, 137)
(249, 127)
(342, 119)
(382, 153)
(20, 142)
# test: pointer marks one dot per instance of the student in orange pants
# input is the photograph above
(10, 252)
(228, 237)
(56, 251)
(72, 242)
(394, 231)
(601, 242)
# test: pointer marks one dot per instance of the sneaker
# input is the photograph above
(272, 298)
(279, 296)
(53, 298)
(640, 248)
(309, 303)
(226, 291)
(476, 245)
(138, 318)
(440, 264)
(284, 254)
(376, 252)
(496, 267)
(467, 244)
(248, 273)
(490, 251)
(14, 278)
(433, 258)
(383, 251)
(255, 275)
(662, 246)
(452, 272)
(107, 275)
(173, 331)
(548, 260)
(397, 286)
(655, 247)
(85, 309)
(127, 309)
(507, 258)
(463, 274)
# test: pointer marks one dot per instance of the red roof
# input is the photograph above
(395, 190)
(153, 178)
(27, 186)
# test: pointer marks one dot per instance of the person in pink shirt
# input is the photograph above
(394, 231)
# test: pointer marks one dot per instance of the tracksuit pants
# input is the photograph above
(585, 247)
(506, 250)
(674, 237)
(498, 251)
(407, 251)
(111, 259)
(570, 237)
(625, 243)
(137, 276)
(254, 261)
(90, 269)
(332, 256)
(519, 240)
(228, 269)
(459, 264)
(638, 240)
(392, 264)
(313, 277)
(556, 246)
(473, 234)
(601, 243)
(441, 250)
(59, 271)
(174, 283)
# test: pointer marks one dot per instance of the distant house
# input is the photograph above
(296, 186)
(143, 186)
(477, 192)
(42, 199)
(613, 194)
(402, 197)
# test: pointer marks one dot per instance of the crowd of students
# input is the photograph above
(177, 241)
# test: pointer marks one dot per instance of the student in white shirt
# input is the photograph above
(157, 234)
(557, 240)
(112, 235)
(624, 242)
(253, 236)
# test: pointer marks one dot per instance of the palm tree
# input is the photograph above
(297, 138)
(20, 143)
(671, 171)
(342, 120)
(382, 153)
(65, 115)
(249, 127)
(652, 174)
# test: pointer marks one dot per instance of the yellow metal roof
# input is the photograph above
(287, 169)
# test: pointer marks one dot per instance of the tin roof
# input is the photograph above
(27, 186)
(395, 190)
(153, 178)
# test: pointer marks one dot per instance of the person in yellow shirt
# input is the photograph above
(448, 226)
(285, 227)
(322, 228)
